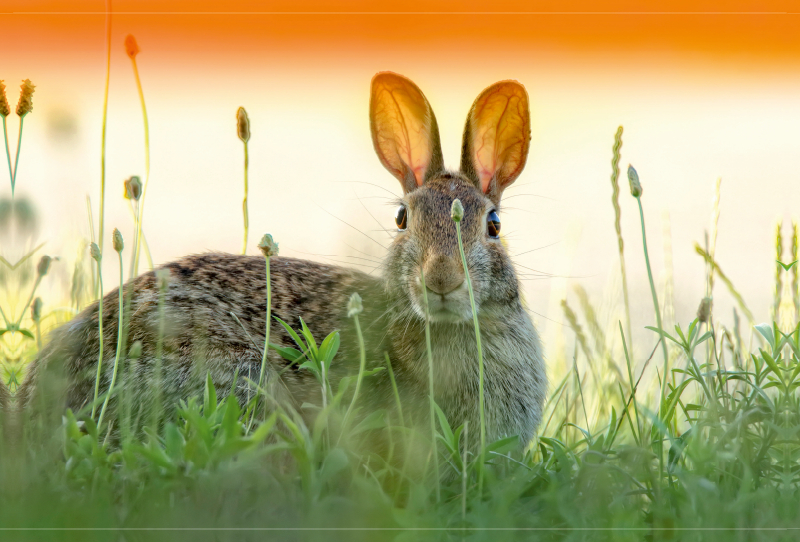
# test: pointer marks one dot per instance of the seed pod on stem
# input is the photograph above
(94, 250)
(117, 238)
(25, 104)
(633, 179)
(44, 265)
(5, 109)
(36, 309)
(131, 47)
(133, 188)
(268, 246)
(243, 125)
(457, 210)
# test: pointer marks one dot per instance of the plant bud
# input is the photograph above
(457, 210)
(25, 104)
(44, 265)
(704, 310)
(633, 179)
(136, 350)
(5, 109)
(36, 309)
(162, 279)
(131, 47)
(94, 250)
(267, 246)
(117, 240)
(354, 306)
(133, 188)
(243, 125)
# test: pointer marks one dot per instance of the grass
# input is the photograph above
(707, 448)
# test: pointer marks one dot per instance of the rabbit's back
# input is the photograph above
(214, 317)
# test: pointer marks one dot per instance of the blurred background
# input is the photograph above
(704, 90)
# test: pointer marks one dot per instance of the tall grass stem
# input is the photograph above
(361, 366)
(119, 344)
(100, 338)
(8, 156)
(138, 245)
(431, 396)
(480, 352)
(267, 326)
(655, 306)
(244, 202)
(16, 159)
(102, 213)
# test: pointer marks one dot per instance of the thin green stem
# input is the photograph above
(480, 352)
(636, 433)
(19, 147)
(655, 304)
(100, 339)
(5, 320)
(266, 331)
(119, 345)
(361, 366)
(101, 229)
(38, 335)
(8, 156)
(244, 202)
(431, 399)
(138, 245)
(157, 370)
(91, 234)
(394, 388)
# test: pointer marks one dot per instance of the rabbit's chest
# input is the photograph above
(511, 383)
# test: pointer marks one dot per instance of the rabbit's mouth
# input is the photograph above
(452, 307)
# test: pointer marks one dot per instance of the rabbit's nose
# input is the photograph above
(442, 275)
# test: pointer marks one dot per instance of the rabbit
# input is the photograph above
(205, 290)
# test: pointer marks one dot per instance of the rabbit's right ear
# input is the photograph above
(404, 130)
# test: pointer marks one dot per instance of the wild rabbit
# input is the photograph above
(204, 291)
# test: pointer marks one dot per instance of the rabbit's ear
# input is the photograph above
(404, 130)
(497, 137)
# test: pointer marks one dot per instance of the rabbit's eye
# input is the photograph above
(401, 218)
(493, 225)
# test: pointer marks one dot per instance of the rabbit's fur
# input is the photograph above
(205, 289)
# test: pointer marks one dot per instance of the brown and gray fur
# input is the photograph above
(205, 289)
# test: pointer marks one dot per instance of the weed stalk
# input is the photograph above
(457, 213)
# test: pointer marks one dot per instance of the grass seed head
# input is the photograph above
(36, 309)
(457, 210)
(25, 104)
(243, 125)
(704, 310)
(131, 47)
(44, 265)
(117, 238)
(633, 179)
(94, 250)
(354, 306)
(268, 246)
(5, 109)
(133, 188)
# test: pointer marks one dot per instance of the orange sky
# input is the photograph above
(739, 31)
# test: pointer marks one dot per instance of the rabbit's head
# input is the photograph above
(494, 150)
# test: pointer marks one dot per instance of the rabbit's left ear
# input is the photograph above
(497, 137)
(404, 130)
